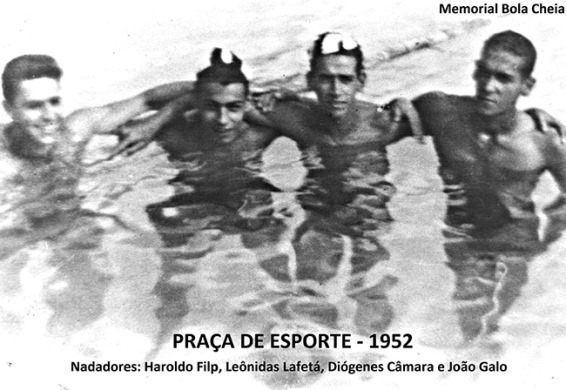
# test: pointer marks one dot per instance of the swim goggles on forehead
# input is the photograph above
(226, 55)
(333, 42)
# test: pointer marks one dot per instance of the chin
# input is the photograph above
(337, 114)
(486, 111)
(227, 140)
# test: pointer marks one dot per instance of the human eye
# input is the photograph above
(56, 101)
(346, 79)
(235, 107)
(504, 78)
(33, 105)
(209, 105)
(481, 72)
(324, 78)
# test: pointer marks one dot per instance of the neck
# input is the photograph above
(22, 144)
(344, 125)
(503, 123)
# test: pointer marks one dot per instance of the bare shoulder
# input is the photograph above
(80, 122)
(546, 123)
(294, 108)
(378, 116)
(10, 165)
(180, 135)
(367, 109)
(542, 138)
(295, 120)
(260, 136)
(436, 101)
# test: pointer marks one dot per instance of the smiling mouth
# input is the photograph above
(339, 105)
(223, 132)
(46, 134)
(484, 99)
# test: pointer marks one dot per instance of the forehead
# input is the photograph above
(335, 64)
(43, 88)
(502, 62)
(222, 93)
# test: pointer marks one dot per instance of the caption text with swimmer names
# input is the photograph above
(344, 367)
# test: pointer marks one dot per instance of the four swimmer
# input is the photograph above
(491, 152)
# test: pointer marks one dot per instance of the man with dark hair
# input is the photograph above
(41, 146)
(27, 67)
(219, 99)
(517, 44)
(491, 154)
(336, 76)
(221, 186)
(41, 154)
(491, 158)
(31, 87)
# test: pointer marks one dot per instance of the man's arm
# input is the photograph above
(555, 153)
(106, 119)
(399, 116)
(138, 133)
(401, 119)
(288, 118)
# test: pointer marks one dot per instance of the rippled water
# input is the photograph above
(285, 242)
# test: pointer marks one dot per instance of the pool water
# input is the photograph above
(285, 241)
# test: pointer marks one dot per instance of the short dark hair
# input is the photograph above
(222, 72)
(27, 67)
(515, 43)
(317, 51)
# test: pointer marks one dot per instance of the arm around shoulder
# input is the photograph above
(108, 118)
(555, 154)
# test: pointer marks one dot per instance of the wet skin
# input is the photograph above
(336, 84)
(217, 124)
(221, 110)
(496, 151)
(500, 83)
(37, 112)
(337, 117)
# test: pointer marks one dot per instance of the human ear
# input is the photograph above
(362, 77)
(528, 86)
(7, 107)
(310, 80)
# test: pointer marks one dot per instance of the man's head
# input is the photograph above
(222, 95)
(31, 88)
(336, 72)
(503, 73)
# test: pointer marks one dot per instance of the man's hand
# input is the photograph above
(265, 101)
(133, 136)
(402, 109)
(546, 122)
(137, 134)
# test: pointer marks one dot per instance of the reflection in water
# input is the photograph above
(336, 246)
(77, 289)
(491, 268)
(313, 264)
(216, 195)
(48, 230)
(487, 283)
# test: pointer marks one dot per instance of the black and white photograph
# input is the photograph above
(315, 194)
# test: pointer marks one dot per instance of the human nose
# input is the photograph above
(489, 85)
(49, 112)
(335, 86)
(222, 116)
